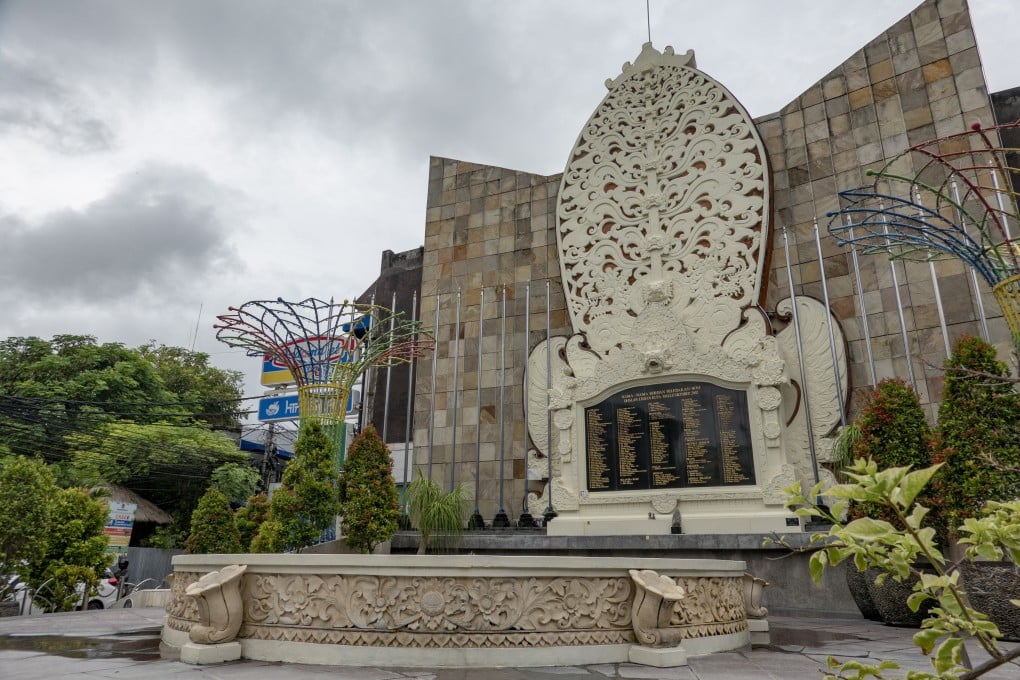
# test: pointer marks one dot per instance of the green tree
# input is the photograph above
(213, 528)
(306, 503)
(27, 492)
(210, 394)
(168, 464)
(893, 432)
(75, 554)
(978, 435)
(250, 519)
(895, 548)
(237, 481)
(368, 493)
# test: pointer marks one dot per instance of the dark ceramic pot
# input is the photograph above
(890, 599)
(990, 586)
(857, 583)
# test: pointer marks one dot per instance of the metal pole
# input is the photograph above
(365, 376)
(828, 323)
(800, 359)
(550, 512)
(389, 373)
(456, 391)
(973, 273)
(899, 309)
(476, 521)
(865, 326)
(410, 402)
(432, 400)
(1004, 216)
(526, 520)
(935, 286)
(501, 520)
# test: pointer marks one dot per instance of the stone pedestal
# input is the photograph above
(194, 653)
(759, 630)
(659, 657)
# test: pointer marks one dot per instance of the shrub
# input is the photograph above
(213, 529)
(438, 514)
(978, 435)
(250, 518)
(368, 493)
(306, 502)
(893, 433)
(26, 496)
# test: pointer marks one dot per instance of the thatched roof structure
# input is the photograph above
(147, 510)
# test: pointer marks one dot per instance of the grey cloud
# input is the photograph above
(158, 229)
(36, 103)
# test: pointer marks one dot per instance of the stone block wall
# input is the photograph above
(488, 229)
(919, 80)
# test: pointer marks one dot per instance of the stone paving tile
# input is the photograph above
(632, 670)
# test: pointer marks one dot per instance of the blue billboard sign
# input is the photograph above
(285, 407)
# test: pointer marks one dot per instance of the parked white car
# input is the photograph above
(104, 598)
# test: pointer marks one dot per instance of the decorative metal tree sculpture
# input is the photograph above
(952, 196)
(325, 346)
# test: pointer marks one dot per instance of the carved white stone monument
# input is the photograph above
(673, 391)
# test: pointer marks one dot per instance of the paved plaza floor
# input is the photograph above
(124, 644)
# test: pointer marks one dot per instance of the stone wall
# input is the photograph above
(493, 229)
(918, 80)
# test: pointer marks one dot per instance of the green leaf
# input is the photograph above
(914, 482)
(817, 565)
(866, 529)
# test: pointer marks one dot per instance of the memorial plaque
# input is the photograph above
(677, 435)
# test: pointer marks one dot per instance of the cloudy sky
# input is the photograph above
(162, 158)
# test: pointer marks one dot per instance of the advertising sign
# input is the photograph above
(119, 522)
(285, 407)
(315, 355)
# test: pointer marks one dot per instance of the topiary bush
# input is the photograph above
(213, 529)
(893, 433)
(306, 503)
(250, 517)
(978, 435)
(368, 493)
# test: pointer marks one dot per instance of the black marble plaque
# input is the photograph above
(677, 435)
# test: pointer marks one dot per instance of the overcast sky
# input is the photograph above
(158, 158)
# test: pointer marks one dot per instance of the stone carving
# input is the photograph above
(217, 596)
(753, 590)
(654, 600)
(436, 612)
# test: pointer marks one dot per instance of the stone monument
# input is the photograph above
(674, 392)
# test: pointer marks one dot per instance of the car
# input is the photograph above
(17, 591)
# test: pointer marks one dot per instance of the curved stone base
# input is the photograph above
(457, 611)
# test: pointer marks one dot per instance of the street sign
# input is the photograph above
(285, 407)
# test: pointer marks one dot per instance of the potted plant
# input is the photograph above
(978, 443)
(894, 433)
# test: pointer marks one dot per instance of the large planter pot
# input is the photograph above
(890, 599)
(857, 583)
(990, 586)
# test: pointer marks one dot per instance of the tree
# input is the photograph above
(306, 502)
(438, 514)
(213, 528)
(250, 519)
(27, 492)
(895, 547)
(168, 464)
(978, 435)
(97, 412)
(75, 554)
(237, 481)
(210, 394)
(368, 493)
(893, 432)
